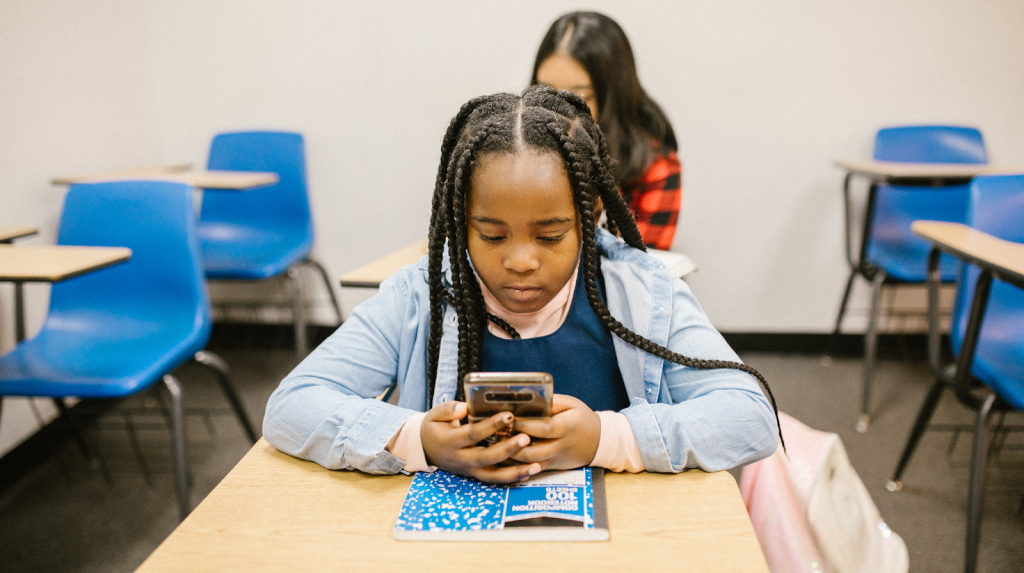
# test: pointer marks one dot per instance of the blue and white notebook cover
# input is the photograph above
(551, 506)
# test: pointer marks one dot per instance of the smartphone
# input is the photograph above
(525, 394)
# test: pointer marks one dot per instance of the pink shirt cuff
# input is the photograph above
(617, 450)
(409, 447)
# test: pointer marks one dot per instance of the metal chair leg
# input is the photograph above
(870, 352)
(178, 431)
(301, 347)
(846, 298)
(330, 290)
(931, 402)
(223, 373)
(977, 487)
(19, 311)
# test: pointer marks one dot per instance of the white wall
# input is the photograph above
(75, 95)
(763, 96)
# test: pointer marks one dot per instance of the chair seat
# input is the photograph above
(72, 357)
(232, 251)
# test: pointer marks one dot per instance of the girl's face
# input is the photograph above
(563, 72)
(524, 233)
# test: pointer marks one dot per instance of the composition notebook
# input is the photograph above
(550, 506)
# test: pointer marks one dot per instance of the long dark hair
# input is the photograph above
(542, 119)
(628, 117)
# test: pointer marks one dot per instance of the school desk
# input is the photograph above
(1004, 259)
(8, 234)
(372, 274)
(935, 174)
(51, 263)
(997, 259)
(928, 173)
(227, 180)
(274, 512)
(126, 173)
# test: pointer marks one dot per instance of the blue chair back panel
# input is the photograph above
(930, 144)
(161, 287)
(891, 245)
(997, 208)
(284, 206)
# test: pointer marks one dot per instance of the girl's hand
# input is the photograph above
(566, 440)
(453, 446)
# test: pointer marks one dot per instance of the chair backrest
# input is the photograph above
(930, 144)
(997, 208)
(890, 244)
(282, 206)
(162, 283)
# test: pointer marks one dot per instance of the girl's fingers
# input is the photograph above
(499, 452)
(506, 474)
(538, 452)
(541, 428)
(447, 412)
(563, 402)
(470, 434)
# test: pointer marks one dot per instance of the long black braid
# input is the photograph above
(545, 119)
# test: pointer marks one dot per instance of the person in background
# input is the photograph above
(588, 54)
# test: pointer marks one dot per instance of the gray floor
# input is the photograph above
(65, 516)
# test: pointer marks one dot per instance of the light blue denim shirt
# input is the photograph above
(325, 411)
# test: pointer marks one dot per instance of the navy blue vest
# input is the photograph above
(579, 355)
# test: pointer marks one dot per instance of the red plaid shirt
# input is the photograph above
(655, 199)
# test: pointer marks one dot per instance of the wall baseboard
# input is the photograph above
(232, 335)
(907, 346)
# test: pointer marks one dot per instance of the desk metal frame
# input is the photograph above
(19, 292)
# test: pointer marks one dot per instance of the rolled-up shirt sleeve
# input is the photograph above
(325, 410)
(717, 419)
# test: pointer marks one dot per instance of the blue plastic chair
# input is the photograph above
(117, 331)
(890, 254)
(264, 232)
(991, 349)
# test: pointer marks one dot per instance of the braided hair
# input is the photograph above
(541, 119)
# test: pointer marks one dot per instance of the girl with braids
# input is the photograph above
(589, 54)
(518, 278)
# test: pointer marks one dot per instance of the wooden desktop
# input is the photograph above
(936, 173)
(226, 180)
(374, 273)
(50, 263)
(274, 512)
(1004, 259)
